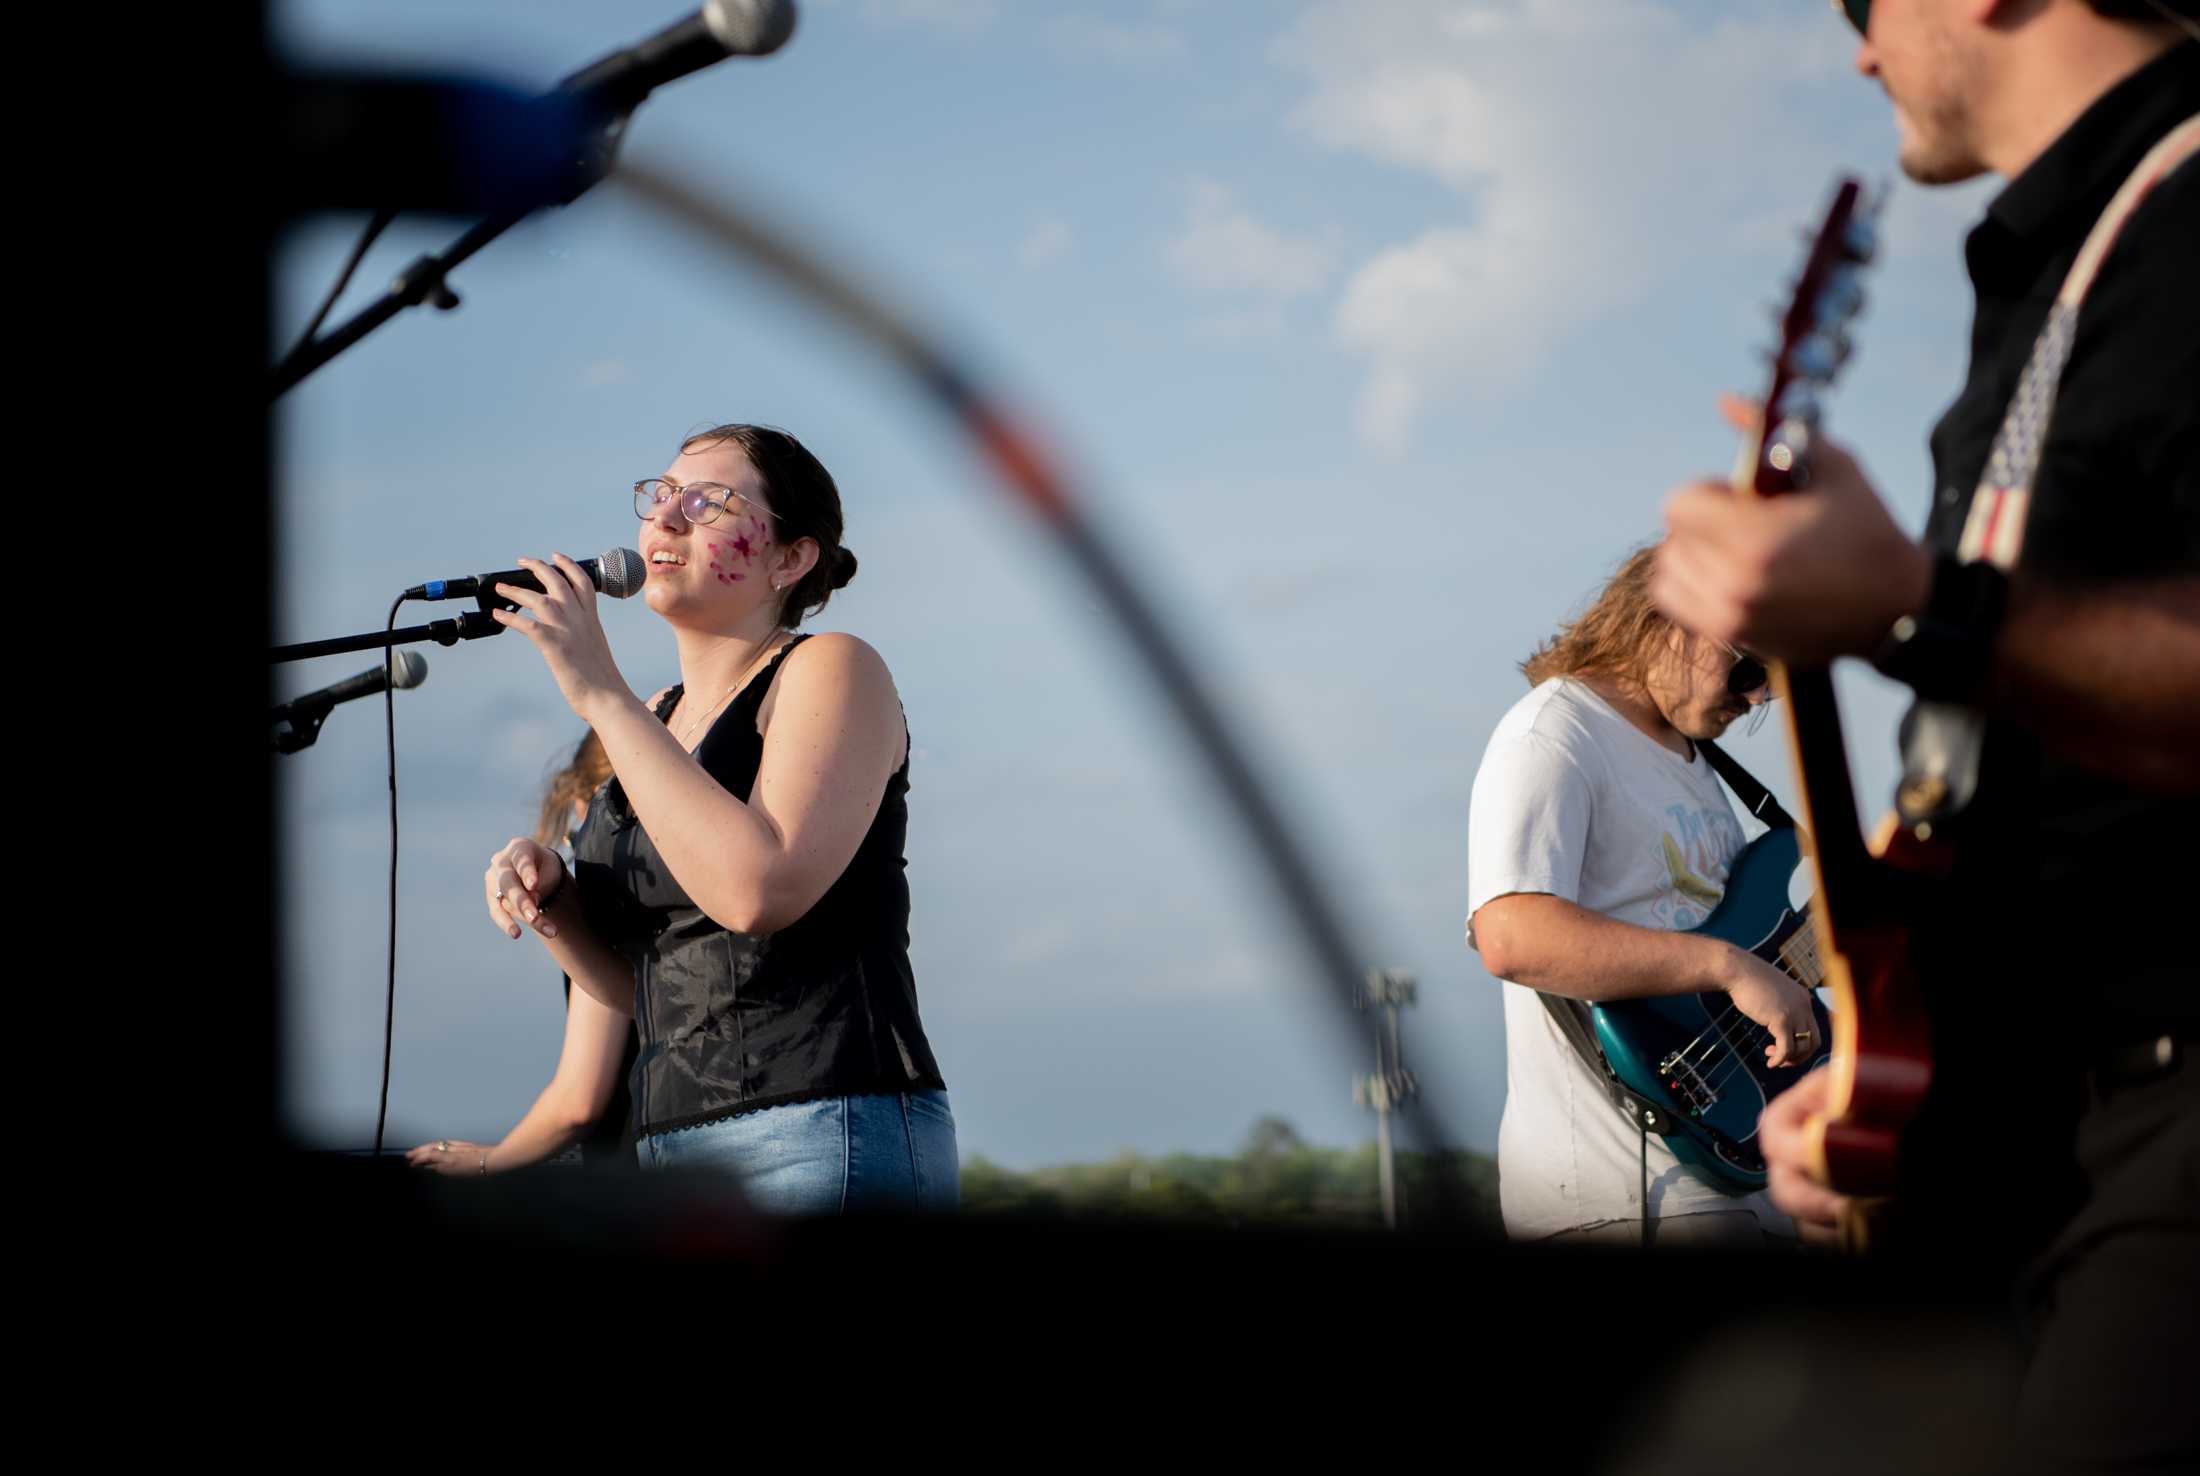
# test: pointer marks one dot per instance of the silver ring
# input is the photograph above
(443, 1145)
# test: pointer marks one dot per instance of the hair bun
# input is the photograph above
(844, 567)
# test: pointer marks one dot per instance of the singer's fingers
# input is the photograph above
(497, 912)
(525, 598)
(584, 588)
(519, 901)
(532, 629)
(553, 576)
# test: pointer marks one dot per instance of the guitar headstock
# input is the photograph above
(1814, 343)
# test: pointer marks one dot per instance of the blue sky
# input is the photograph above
(1378, 330)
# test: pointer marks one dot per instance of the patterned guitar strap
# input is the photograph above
(1942, 741)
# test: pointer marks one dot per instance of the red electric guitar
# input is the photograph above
(1882, 1062)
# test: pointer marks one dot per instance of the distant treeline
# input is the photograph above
(1275, 1177)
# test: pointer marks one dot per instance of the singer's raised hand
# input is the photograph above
(562, 622)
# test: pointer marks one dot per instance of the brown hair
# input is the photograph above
(1613, 637)
(571, 786)
(805, 504)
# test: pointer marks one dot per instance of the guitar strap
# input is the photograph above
(1942, 741)
(1755, 797)
(1572, 1016)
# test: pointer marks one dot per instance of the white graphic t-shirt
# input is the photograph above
(1575, 801)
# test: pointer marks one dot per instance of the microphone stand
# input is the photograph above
(471, 626)
(423, 281)
(295, 725)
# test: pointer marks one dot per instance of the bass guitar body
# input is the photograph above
(1699, 1057)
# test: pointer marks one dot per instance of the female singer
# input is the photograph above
(739, 886)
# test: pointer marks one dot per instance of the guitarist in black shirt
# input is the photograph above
(2049, 622)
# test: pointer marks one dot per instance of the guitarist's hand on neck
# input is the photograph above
(2106, 674)
(1799, 579)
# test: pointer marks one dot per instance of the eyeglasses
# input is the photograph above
(699, 502)
(1746, 675)
(1858, 13)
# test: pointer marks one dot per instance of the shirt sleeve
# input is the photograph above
(1527, 824)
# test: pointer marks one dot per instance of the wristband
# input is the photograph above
(1944, 650)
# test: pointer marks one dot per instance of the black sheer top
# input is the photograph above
(730, 1022)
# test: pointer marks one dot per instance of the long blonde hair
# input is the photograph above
(1614, 637)
(570, 787)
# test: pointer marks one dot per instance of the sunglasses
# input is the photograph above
(1857, 12)
(1746, 675)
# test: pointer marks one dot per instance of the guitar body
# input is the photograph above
(1883, 1059)
(1694, 1054)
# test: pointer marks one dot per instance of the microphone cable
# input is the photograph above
(389, 1005)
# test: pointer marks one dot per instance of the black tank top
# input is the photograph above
(731, 1022)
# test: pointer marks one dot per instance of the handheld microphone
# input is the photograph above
(298, 722)
(722, 28)
(617, 572)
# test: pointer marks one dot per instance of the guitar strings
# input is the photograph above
(1796, 967)
(1797, 956)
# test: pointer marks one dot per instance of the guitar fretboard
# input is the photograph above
(1799, 956)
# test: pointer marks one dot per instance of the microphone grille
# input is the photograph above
(750, 27)
(410, 669)
(622, 572)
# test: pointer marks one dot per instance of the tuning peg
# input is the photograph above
(1860, 242)
(1816, 357)
(1842, 295)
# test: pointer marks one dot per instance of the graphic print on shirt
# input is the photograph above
(1695, 860)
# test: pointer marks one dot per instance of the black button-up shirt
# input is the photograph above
(2095, 876)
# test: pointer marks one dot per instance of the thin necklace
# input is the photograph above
(689, 731)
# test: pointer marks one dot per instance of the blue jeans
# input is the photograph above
(836, 1155)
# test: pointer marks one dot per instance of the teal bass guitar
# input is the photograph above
(1699, 1057)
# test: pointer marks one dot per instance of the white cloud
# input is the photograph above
(1224, 249)
(1588, 145)
(1046, 241)
(1129, 44)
